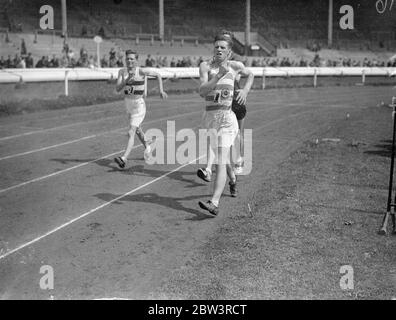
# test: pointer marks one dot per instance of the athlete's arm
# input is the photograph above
(163, 94)
(206, 84)
(121, 81)
(242, 70)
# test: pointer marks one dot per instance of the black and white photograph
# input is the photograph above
(216, 151)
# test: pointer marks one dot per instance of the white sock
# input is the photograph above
(124, 159)
(216, 203)
(208, 170)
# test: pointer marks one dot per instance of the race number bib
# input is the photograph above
(223, 95)
(128, 90)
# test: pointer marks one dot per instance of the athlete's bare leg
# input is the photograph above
(221, 174)
(142, 138)
(131, 142)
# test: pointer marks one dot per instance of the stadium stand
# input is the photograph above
(295, 32)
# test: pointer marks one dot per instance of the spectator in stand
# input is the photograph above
(173, 63)
(72, 63)
(113, 62)
(46, 62)
(70, 54)
(64, 62)
(158, 61)
(29, 61)
(21, 63)
(120, 61)
(112, 54)
(83, 53)
(316, 61)
(9, 62)
(165, 62)
(54, 63)
(149, 62)
(188, 62)
(23, 48)
(66, 48)
(41, 63)
(104, 62)
(15, 61)
(2, 62)
(200, 60)
(91, 62)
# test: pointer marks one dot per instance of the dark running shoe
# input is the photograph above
(204, 174)
(209, 206)
(120, 162)
(233, 189)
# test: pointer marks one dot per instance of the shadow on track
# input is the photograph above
(152, 198)
(385, 149)
(139, 170)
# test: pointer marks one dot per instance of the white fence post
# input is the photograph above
(263, 81)
(145, 86)
(66, 83)
(315, 78)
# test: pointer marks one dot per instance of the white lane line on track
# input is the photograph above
(67, 169)
(62, 171)
(124, 195)
(93, 136)
(41, 130)
(112, 154)
(46, 148)
(57, 128)
(105, 106)
(81, 216)
(110, 105)
(104, 133)
(88, 162)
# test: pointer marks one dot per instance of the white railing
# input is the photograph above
(80, 74)
(77, 74)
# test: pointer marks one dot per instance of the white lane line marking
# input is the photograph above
(112, 117)
(113, 154)
(62, 171)
(109, 105)
(67, 169)
(94, 210)
(46, 148)
(116, 104)
(104, 157)
(40, 130)
(56, 128)
(93, 136)
(27, 127)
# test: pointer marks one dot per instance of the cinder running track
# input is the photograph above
(109, 233)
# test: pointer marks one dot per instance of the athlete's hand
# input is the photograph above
(163, 95)
(241, 96)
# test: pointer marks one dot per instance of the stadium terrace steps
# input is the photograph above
(144, 47)
(288, 53)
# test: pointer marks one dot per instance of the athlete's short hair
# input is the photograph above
(226, 38)
(129, 51)
(227, 33)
